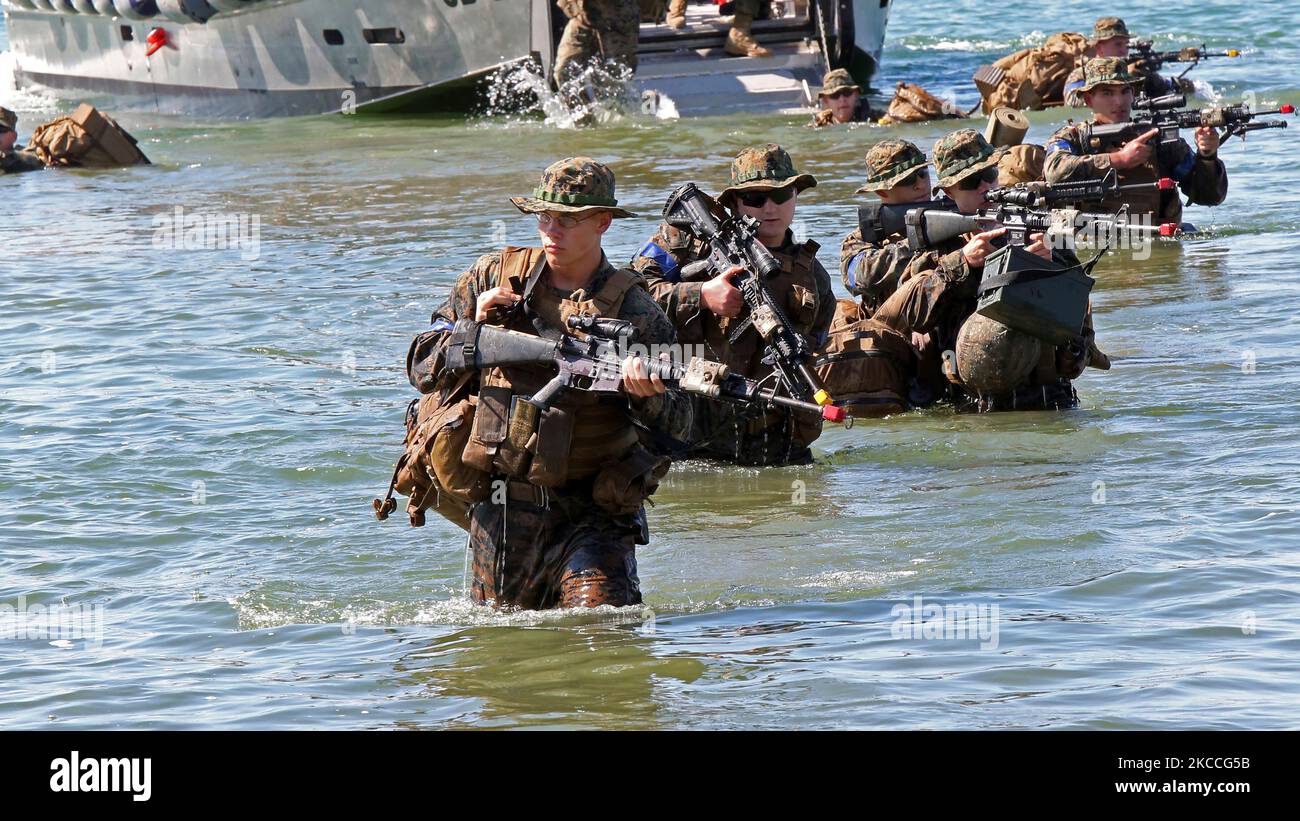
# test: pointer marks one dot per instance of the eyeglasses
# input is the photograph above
(546, 220)
(972, 182)
(757, 199)
(843, 92)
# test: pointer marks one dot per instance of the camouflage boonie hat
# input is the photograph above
(1106, 71)
(572, 186)
(889, 162)
(838, 80)
(764, 167)
(1108, 27)
(8, 120)
(961, 154)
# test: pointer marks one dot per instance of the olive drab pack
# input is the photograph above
(1032, 78)
(85, 139)
(865, 364)
(913, 104)
(430, 472)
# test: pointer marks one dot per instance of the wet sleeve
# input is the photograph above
(825, 306)
(1067, 162)
(1203, 179)
(870, 271)
(661, 261)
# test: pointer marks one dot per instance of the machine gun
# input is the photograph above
(879, 221)
(595, 363)
(732, 241)
(1236, 120)
(1155, 60)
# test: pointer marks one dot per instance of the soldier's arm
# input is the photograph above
(1203, 179)
(425, 359)
(1068, 162)
(660, 261)
(870, 271)
(667, 414)
(825, 306)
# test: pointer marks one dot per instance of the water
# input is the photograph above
(192, 439)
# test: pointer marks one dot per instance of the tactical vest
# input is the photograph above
(1165, 205)
(581, 431)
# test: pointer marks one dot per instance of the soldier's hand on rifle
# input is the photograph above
(1134, 153)
(490, 299)
(720, 296)
(636, 382)
(980, 246)
(1037, 245)
(1207, 141)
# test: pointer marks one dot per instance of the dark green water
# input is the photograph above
(191, 441)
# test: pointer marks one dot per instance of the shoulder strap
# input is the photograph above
(609, 299)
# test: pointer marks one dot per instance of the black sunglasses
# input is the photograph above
(972, 182)
(757, 199)
(913, 178)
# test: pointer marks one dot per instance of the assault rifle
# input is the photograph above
(732, 241)
(926, 229)
(1236, 120)
(595, 363)
(1154, 60)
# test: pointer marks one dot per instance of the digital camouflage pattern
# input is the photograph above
(889, 162)
(961, 154)
(597, 30)
(874, 271)
(1108, 27)
(764, 168)
(838, 80)
(1100, 71)
(573, 185)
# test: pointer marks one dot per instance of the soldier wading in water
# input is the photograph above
(565, 514)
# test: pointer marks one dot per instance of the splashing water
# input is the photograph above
(598, 93)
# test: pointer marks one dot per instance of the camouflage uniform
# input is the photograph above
(540, 547)
(838, 80)
(17, 159)
(802, 288)
(936, 303)
(871, 270)
(1152, 83)
(604, 29)
(1203, 179)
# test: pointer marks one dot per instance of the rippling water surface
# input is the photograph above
(191, 440)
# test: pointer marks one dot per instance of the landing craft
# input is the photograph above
(267, 58)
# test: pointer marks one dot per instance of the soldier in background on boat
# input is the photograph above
(597, 30)
(707, 309)
(842, 101)
(14, 159)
